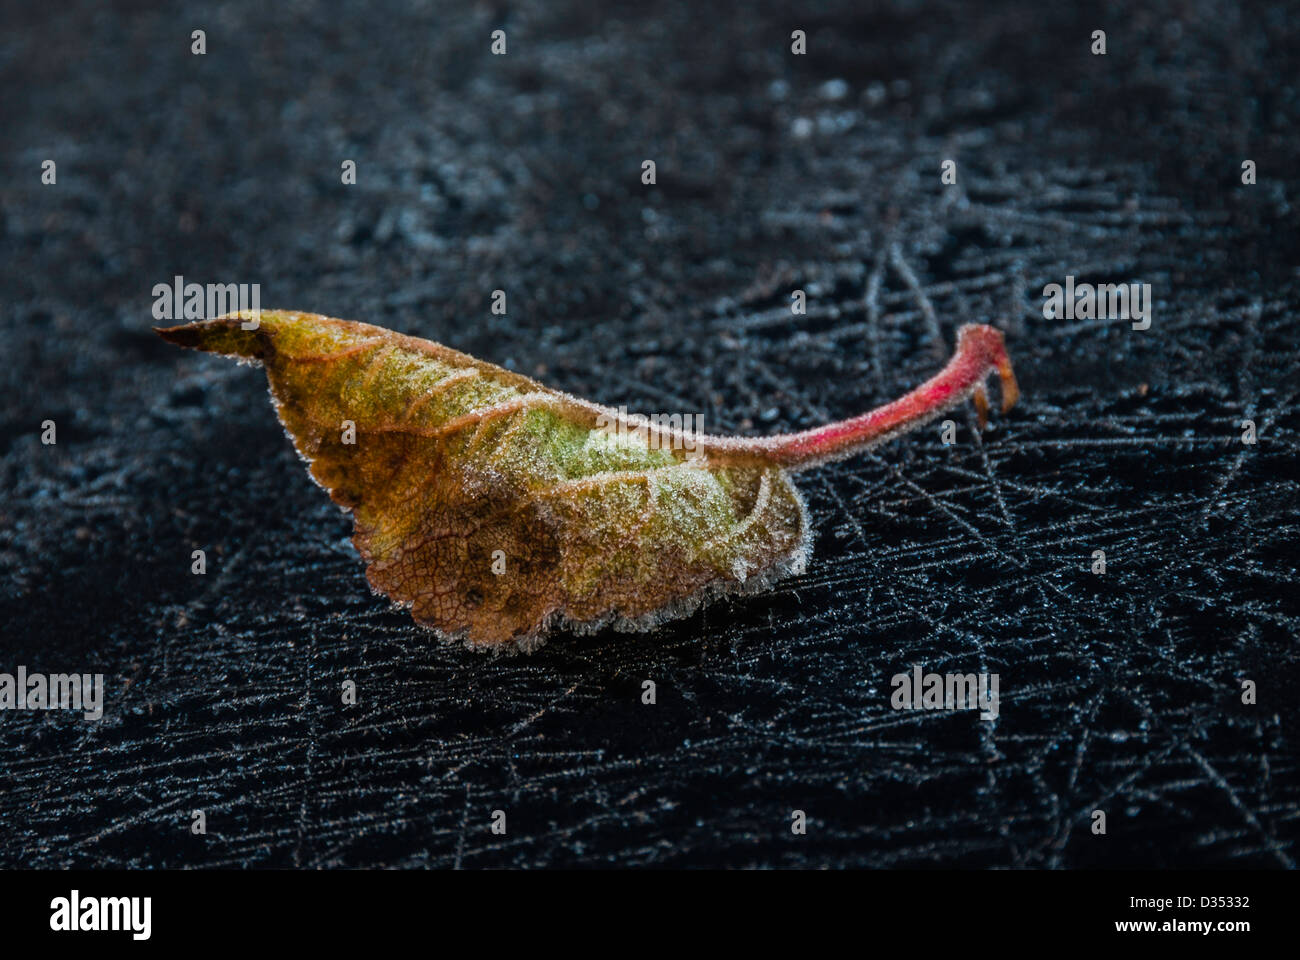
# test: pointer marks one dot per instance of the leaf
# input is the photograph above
(499, 510)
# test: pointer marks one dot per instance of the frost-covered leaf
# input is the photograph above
(497, 509)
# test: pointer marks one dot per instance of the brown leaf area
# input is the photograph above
(499, 510)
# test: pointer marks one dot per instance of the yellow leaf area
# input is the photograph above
(499, 510)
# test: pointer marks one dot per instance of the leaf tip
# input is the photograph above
(183, 335)
(226, 335)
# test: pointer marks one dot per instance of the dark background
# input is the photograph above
(821, 172)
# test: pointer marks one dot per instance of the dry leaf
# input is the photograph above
(499, 510)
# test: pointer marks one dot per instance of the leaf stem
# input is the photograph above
(980, 352)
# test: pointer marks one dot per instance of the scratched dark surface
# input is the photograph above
(1119, 692)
